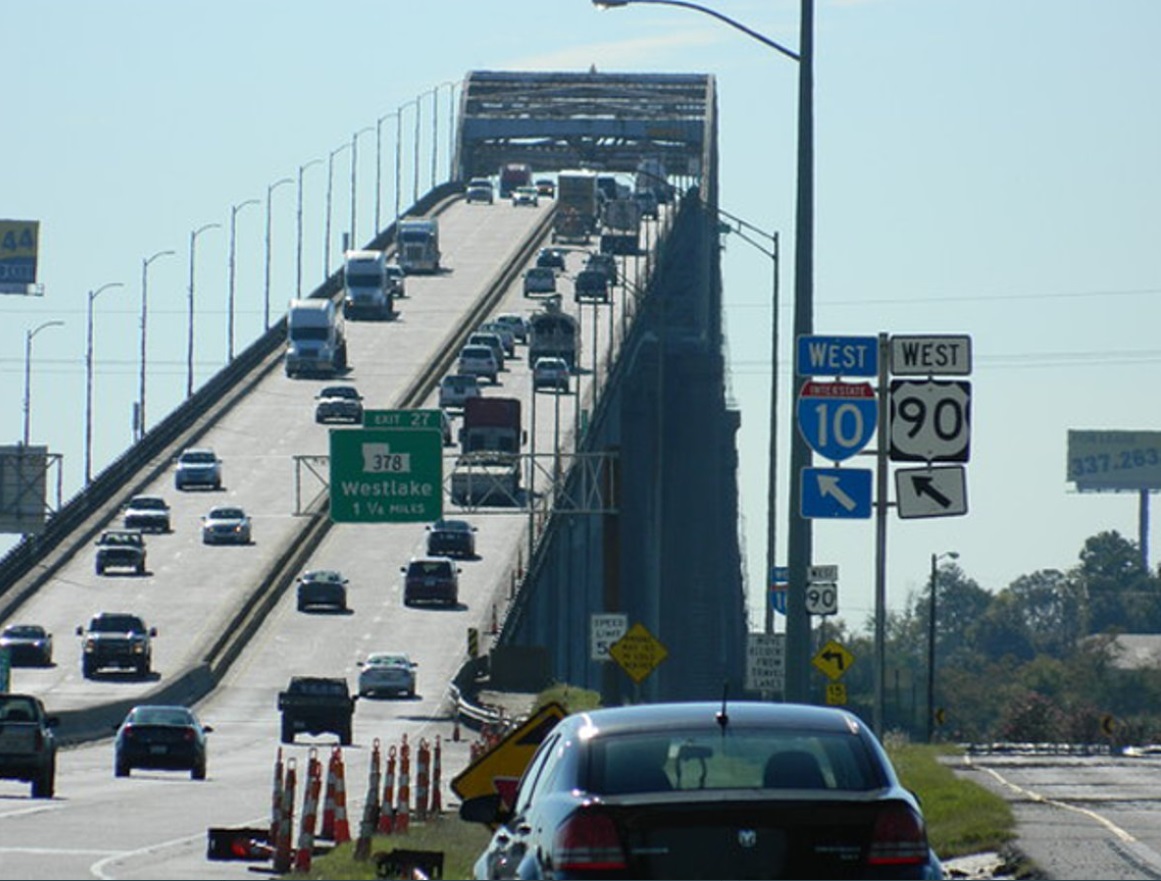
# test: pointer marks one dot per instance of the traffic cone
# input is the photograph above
(386, 808)
(276, 802)
(342, 827)
(309, 809)
(456, 727)
(285, 821)
(327, 830)
(436, 798)
(495, 620)
(370, 808)
(422, 759)
(403, 811)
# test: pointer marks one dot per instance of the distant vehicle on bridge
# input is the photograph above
(552, 332)
(514, 175)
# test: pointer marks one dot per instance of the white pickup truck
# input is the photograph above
(27, 743)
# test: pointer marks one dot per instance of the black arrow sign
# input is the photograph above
(837, 657)
(925, 486)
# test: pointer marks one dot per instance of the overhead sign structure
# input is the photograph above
(18, 255)
(930, 420)
(837, 419)
(499, 769)
(931, 355)
(604, 630)
(765, 661)
(1114, 460)
(837, 356)
(833, 659)
(638, 652)
(386, 475)
(931, 492)
(836, 493)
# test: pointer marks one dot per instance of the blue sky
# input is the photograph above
(983, 168)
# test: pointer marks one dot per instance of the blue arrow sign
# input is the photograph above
(837, 419)
(836, 493)
(837, 356)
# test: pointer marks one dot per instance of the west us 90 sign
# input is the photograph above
(930, 420)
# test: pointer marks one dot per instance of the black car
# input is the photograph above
(706, 790)
(322, 587)
(29, 645)
(552, 258)
(451, 538)
(161, 737)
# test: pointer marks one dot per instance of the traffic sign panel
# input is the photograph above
(403, 419)
(837, 356)
(930, 421)
(837, 419)
(765, 661)
(604, 630)
(833, 659)
(931, 355)
(778, 597)
(822, 599)
(836, 493)
(386, 475)
(931, 492)
(638, 652)
(815, 574)
(499, 769)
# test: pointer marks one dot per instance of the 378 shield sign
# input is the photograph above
(930, 420)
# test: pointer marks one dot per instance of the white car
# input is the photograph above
(539, 280)
(551, 372)
(147, 513)
(456, 388)
(198, 467)
(526, 196)
(339, 403)
(504, 332)
(387, 672)
(226, 524)
(479, 190)
(479, 361)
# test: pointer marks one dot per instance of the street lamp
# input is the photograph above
(354, 176)
(269, 192)
(298, 252)
(399, 155)
(189, 343)
(234, 209)
(330, 187)
(799, 533)
(379, 166)
(451, 125)
(88, 382)
(935, 558)
(140, 426)
(28, 371)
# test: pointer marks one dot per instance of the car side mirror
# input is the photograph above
(207, 728)
(51, 721)
(80, 630)
(153, 631)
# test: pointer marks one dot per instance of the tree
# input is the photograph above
(1122, 594)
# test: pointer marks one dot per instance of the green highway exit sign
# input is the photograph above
(386, 475)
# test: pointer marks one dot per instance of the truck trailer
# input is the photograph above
(367, 289)
(419, 245)
(316, 341)
(491, 424)
(577, 206)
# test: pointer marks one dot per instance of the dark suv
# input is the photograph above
(451, 538)
(120, 549)
(116, 639)
(431, 579)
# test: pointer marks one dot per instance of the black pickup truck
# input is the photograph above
(27, 743)
(317, 704)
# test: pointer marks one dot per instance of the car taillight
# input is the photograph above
(128, 732)
(588, 841)
(898, 838)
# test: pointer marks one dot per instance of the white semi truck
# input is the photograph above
(316, 340)
(367, 289)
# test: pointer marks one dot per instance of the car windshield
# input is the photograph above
(339, 391)
(198, 458)
(121, 538)
(148, 503)
(477, 352)
(388, 661)
(117, 624)
(746, 759)
(322, 575)
(178, 716)
(430, 567)
(24, 631)
(227, 514)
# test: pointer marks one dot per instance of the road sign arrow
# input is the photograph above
(828, 485)
(925, 486)
(835, 657)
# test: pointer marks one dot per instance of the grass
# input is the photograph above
(962, 817)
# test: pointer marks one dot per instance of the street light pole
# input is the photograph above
(399, 155)
(799, 533)
(298, 257)
(28, 372)
(189, 343)
(88, 382)
(354, 177)
(269, 191)
(379, 167)
(234, 209)
(330, 187)
(935, 558)
(140, 427)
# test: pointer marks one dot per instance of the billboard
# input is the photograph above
(18, 241)
(1114, 460)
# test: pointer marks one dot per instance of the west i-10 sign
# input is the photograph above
(837, 419)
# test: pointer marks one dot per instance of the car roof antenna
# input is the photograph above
(722, 716)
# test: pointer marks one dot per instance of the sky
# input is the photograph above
(983, 168)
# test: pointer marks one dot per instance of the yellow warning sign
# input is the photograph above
(833, 659)
(499, 769)
(836, 694)
(638, 652)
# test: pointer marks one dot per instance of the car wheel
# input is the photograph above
(302, 607)
(45, 784)
(198, 771)
(287, 731)
(345, 735)
(100, 569)
(411, 692)
(88, 668)
(143, 669)
(120, 768)
(140, 568)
